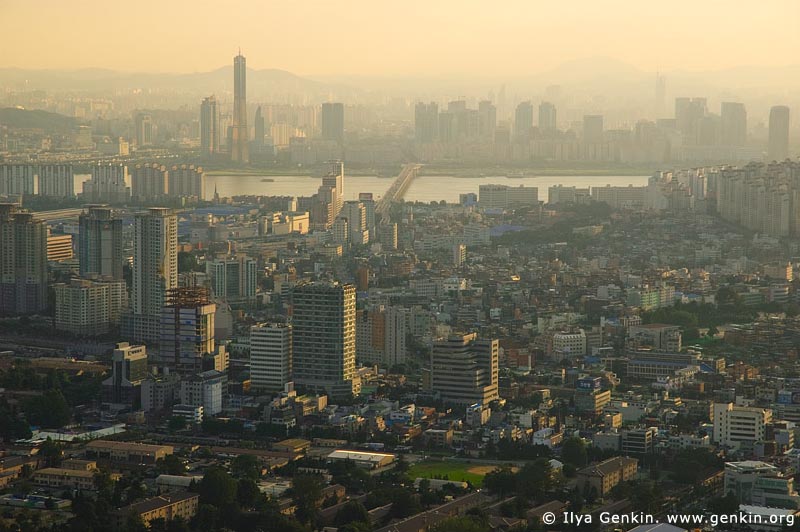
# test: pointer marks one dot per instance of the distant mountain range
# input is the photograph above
(260, 83)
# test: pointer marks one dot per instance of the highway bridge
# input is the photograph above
(398, 188)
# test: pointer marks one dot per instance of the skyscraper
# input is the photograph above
(270, 356)
(487, 119)
(149, 182)
(778, 149)
(333, 121)
(523, 120)
(593, 129)
(324, 338)
(209, 126)
(23, 262)
(547, 117)
(426, 122)
(240, 136)
(100, 242)
(186, 181)
(335, 180)
(56, 180)
(258, 129)
(733, 124)
(155, 271)
(144, 129)
(186, 330)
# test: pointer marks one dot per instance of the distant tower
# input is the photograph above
(333, 121)
(209, 126)
(144, 130)
(661, 96)
(523, 120)
(239, 137)
(258, 128)
(778, 133)
(547, 117)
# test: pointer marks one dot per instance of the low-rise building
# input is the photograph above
(604, 476)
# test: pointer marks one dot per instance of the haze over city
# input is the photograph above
(444, 266)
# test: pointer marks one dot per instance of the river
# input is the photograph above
(423, 188)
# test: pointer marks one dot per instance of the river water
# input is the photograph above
(423, 188)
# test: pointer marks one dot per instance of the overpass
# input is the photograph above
(398, 188)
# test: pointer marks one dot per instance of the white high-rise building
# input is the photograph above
(270, 356)
(155, 271)
(736, 426)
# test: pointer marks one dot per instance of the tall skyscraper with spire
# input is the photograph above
(240, 136)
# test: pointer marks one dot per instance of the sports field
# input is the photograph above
(460, 471)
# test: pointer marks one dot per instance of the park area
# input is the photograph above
(459, 471)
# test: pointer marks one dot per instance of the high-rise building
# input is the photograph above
(258, 130)
(778, 148)
(335, 181)
(209, 126)
(332, 121)
(17, 180)
(100, 242)
(149, 182)
(426, 122)
(56, 180)
(487, 119)
(733, 124)
(356, 215)
(688, 113)
(381, 335)
(186, 330)
(204, 389)
(270, 356)
(128, 371)
(144, 129)
(387, 235)
(233, 278)
(547, 117)
(324, 338)
(90, 307)
(23, 262)
(155, 271)
(592, 129)
(239, 132)
(109, 183)
(505, 197)
(464, 369)
(186, 181)
(739, 426)
(523, 120)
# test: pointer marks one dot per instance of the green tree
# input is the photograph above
(352, 511)
(574, 452)
(48, 410)
(217, 488)
(307, 494)
(246, 466)
(171, 465)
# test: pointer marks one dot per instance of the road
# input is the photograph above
(398, 188)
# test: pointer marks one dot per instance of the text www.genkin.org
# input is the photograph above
(688, 520)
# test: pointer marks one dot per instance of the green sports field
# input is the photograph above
(460, 471)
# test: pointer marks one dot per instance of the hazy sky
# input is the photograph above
(400, 37)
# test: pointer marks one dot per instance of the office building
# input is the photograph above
(233, 278)
(240, 136)
(332, 121)
(204, 389)
(547, 117)
(258, 131)
(270, 356)
(90, 307)
(23, 262)
(155, 271)
(739, 426)
(186, 330)
(505, 197)
(128, 371)
(464, 369)
(109, 183)
(760, 484)
(387, 235)
(100, 242)
(426, 122)
(523, 121)
(59, 247)
(149, 182)
(592, 129)
(733, 124)
(144, 130)
(209, 126)
(186, 181)
(778, 148)
(324, 338)
(356, 215)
